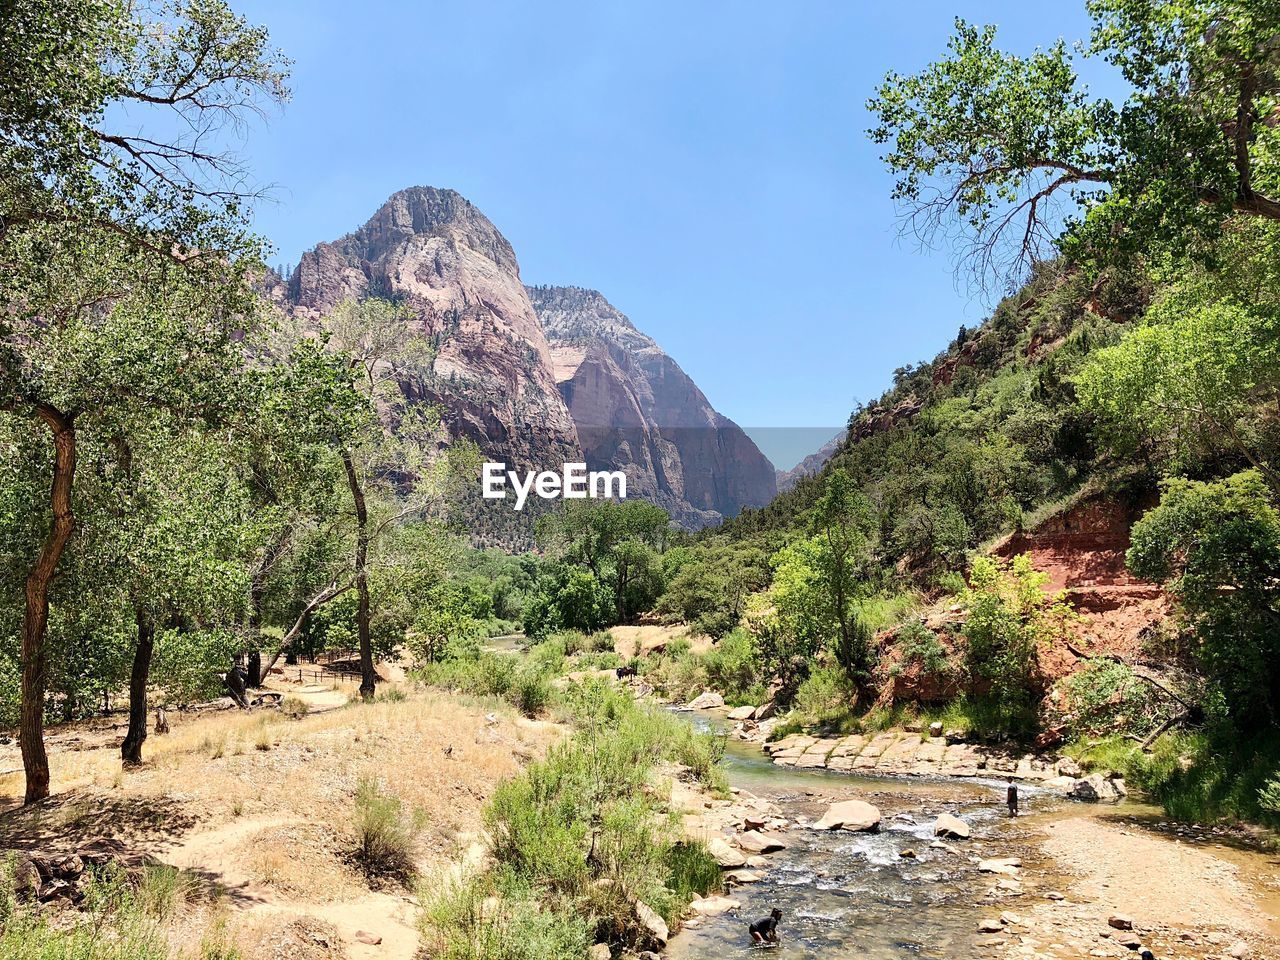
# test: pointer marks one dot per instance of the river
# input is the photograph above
(851, 894)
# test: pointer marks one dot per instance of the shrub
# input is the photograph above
(295, 708)
(919, 644)
(475, 919)
(530, 691)
(692, 870)
(385, 835)
(734, 668)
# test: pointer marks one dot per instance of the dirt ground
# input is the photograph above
(258, 808)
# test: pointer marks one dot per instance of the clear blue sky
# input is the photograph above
(703, 164)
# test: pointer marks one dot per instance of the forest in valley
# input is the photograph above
(190, 477)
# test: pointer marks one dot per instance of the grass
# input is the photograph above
(118, 920)
(386, 835)
(593, 794)
(1198, 777)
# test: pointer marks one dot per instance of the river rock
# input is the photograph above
(765, 711)
(990, 925)
(1061, 784)
(743, 876)
(742, 713)
(756, 842)
(725, 855)
(935, 729)
(714, 906)
(1120, 922)
(951, 827)
(757, 862)
(652, 924)
(754, 821)
(707, 700)
(1097, 788)
(850, 815)
(1004, 866)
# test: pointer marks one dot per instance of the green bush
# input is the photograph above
(919, 644)
(692, 871)
(117, 922)
(386, 837)
(579, 836)
(476, 919)
(733, 667)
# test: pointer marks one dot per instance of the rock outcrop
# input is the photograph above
(437, 254)
(812, 464)
(637, 411)
(571, 381)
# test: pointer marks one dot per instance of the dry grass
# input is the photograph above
(260, 804)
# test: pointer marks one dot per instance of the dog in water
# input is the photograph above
(766, 930)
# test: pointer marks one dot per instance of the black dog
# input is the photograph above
(766, 930)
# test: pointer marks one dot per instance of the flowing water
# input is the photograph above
(848, 894)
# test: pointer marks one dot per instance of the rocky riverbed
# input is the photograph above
(1067, 879)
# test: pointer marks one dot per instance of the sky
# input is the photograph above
(702, 164)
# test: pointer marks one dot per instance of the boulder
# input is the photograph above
(990, 925)
(68, 868)
(907, 854)
(742, 713)
(765, 711)
(743, 876)
(1120, 922)
(1061, 784)
(1096, 788)
(754, 821)
(951, 827)
(652, 924)
(373, 939)
(1067, 767)
(707, 700)
(935, 729)
(714, 906)
(599, 952)
(756, 842)
(849, 815)
(725, 855)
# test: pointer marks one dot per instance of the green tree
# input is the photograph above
(1217, 546)
(1008, 618)
(92, 216)
(843, 523)
(997, 145)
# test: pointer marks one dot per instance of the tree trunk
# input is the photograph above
(368, 679)
(131, 749)
(35, 618)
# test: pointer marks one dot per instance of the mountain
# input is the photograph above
(811, 464)
(636, 410)
(433, 251)
(536, 376)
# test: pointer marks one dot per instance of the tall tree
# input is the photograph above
(1000, 151)
(88, 211)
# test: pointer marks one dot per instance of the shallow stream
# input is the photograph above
(851, 894)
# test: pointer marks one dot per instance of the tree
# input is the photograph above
(1001, 151)
(1217, 547)
(616, 541)
(88, 214)
(842, 524)
(1197, 377)
(1008, 618)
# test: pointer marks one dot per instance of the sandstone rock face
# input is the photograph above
(635, 410)
(436, 253)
